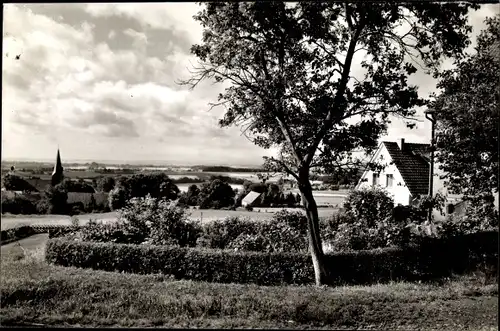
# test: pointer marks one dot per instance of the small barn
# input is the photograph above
(250, 199)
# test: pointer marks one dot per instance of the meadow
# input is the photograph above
(34, 293)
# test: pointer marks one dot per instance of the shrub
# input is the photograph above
(405, 214)
(75, 221)
(95, 231)
(76, 208)
(284, 232)
(117, 198)
(369, 205)
(434, 259)
(62, 231)
(220, 233)
(250, 242)
(171, 224)
(294, 219)
(146, 220)
(344, 232)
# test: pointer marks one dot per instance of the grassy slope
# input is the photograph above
(33, 292)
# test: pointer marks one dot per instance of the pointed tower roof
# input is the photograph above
(58, 169)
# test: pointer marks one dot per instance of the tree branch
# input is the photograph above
(284, 166)
(340, 93)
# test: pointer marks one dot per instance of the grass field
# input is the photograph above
(34, 293)
(206, 215)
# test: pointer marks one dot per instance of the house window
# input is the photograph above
(389, 180)
(375, 179)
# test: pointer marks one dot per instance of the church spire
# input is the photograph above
(57, 174)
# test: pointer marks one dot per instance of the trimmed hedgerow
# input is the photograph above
(431, 260)
(17, 233)
(24, 231)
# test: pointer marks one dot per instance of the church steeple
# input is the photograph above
(57, 174)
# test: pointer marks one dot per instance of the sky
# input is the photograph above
(99, 82)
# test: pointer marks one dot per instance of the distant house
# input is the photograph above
(406, 174)
(250, 199)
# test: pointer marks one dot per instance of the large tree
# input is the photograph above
(467, 113)
(289, 69)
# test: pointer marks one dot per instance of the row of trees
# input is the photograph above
(218, 194)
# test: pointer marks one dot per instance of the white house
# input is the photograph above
(406, 174)
(406, 171)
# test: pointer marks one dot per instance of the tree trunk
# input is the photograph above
(315, 246)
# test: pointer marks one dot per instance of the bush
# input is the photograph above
(146, 220)
(344, 232)
(435, 259)
(220, 233)
(369, 205)
(284, 232)
(250, 242)
(117, 198)
(106, 232)
(76, 208)
(294, 219)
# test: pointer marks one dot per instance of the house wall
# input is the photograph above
(398, 191)
(440, 187)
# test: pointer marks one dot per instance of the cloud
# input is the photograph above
(101, 81)
(106, 122)
(173, 16)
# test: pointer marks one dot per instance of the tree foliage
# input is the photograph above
(139, 185)
(105, 184)
(468, 117)
(15, 183)
(54, 200)
(291, 81)
(190, 198)
(216, 194)
(76, 186)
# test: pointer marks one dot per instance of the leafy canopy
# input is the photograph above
(468, 117)
(290, 70)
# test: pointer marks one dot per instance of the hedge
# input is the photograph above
(20, 232)
(434, 259)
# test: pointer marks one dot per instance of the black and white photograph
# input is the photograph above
(323, 165)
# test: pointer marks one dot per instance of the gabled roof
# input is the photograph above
(251, 197)
(39, 184)
(413, 165)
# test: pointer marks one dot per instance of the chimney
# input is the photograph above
(401, 144)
